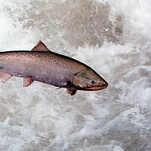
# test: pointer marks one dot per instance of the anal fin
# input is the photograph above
(4, 76)
(71, 92)
(27, 81)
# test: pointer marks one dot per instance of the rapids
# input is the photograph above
(111, 36)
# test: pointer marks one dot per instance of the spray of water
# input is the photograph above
(111, 36)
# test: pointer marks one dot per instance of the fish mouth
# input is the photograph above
(98, 87)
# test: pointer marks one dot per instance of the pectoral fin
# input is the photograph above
(71, 92)
(4, 76)
(27, 81)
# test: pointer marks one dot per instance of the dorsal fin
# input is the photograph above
(40, 47)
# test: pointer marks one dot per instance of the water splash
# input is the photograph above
(113, 37)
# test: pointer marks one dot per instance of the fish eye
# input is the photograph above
(92, 81)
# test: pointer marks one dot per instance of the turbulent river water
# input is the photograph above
(111, 36)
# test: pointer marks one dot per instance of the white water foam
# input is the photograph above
(113, 37)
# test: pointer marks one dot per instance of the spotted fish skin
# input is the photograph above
(43, 65)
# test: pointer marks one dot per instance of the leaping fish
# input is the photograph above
(48, 67)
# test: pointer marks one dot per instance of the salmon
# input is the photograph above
(49, 67)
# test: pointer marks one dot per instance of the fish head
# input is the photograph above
(89, 80)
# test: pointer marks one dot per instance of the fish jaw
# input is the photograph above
(98, 86)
